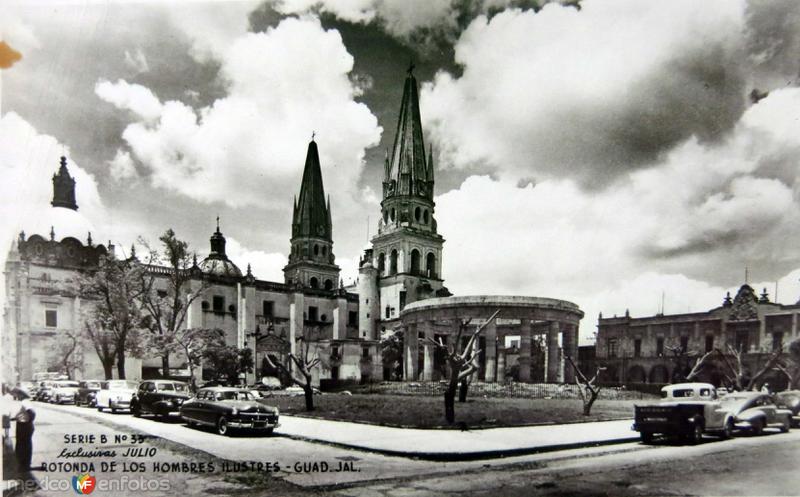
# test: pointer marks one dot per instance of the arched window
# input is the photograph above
(425, 216)
(381, 263)
(393, 262)
(415, 260)
(430, 265)
(386, 216)
(313, 282)
(316, 249)
(391, 215)
(417, 213)
(328, 285)
(324, 250)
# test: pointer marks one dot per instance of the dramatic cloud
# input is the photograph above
(248, 148)
(589, 93)
(687, 227)
(122, 167)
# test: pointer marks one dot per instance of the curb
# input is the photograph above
(465, 456)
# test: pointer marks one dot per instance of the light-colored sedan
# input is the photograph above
(64, 392)
(115, 395)
(755, 411)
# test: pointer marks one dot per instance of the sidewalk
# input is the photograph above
(455, 445)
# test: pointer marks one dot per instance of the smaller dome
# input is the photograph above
(220, 267)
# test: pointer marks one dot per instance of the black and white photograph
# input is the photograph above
(400, 248)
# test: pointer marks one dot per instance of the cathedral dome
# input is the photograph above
(64, 223)
(217, 262)
(220, 267)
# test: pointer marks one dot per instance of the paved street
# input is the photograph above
(294, 467)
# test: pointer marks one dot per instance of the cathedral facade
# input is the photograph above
(403, 266)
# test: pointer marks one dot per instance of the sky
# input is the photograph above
(614, 153)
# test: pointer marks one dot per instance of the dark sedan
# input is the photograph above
(225, 408)
(160, 397)
(87, 390)
(790, 400)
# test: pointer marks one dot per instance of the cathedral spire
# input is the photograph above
(407, 171)
(312, 214)
(64, 188)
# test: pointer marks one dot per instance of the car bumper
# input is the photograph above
(119, 404)
(253, 425)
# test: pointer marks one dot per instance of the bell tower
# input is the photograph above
(407, 250)
(64, 188)
(311, 260)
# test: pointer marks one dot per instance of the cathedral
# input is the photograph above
(402, 266)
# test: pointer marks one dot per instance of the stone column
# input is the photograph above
(552, 352)
(427, 371)
(570, 347)
(501, 365)
(411, 339)
(491, 351)
(794, 324)
(524, 360)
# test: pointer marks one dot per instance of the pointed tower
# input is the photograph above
(64, 188)
(407, 250)
(311, 260)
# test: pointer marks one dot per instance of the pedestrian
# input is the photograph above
(765, 388)
(7, 408)
(24, 436)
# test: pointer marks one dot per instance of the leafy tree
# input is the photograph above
(66, 356)
(167, 293)
(227, 361)
(113, 322)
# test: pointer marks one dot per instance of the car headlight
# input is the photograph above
(234, 411)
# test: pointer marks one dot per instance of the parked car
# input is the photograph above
(29, 387)
(45, 389)
(87, 390)
(790, 400)
(226, 408)
(159, 397)
(755, 411)
(115, 395)
(63, 392)
(686, 411)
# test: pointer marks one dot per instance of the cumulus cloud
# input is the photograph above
(122, 167)
(248, 148)
(264, 265)
(590, 93)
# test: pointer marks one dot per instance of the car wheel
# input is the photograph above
(787, 424)
(222, 426)
(268, 432)
(136, 410)
(696, 436)
(758, 427)
(647, 437)
(113, 410)
(727, 431)
(99, 408)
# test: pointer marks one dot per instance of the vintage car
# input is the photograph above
(225, 408)
(63, 392)
(686, 411)
(755, 411)
(87, 389)
(115, 395)
(790, 400)
(45, 389)
(29, 387)
(160, 397)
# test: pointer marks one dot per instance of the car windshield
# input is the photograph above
(683, 392)
(234, 395)
(120, 385)
(63, 384)
(92, 384)
(162, 387)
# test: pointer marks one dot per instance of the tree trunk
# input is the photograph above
(165, 365)
(121, 364)
(450, 405)
(462, 391)
(309, 394)
(587, 404)
(108, 369)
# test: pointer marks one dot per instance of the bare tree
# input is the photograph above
(462, 362)
(792, 366)
(298, 365)
(736, 371)
(167, 294)
(588, 389)
(688, 364)
(67, 356)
